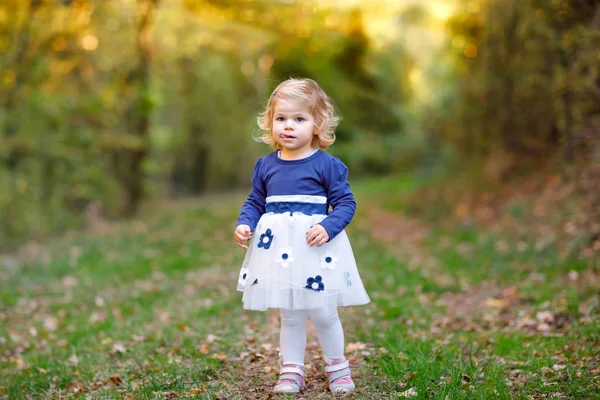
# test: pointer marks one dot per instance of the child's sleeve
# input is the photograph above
(340, 197)
(254, 206)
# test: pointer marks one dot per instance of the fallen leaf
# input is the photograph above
(496, 303)
(465, 381)
(355, 346)
(116, 380)
(138, 339)
(69, 281)
(172, 352)
(545, 316)
(211, 338)
(573, 275)
(162, 315)
(221, 357)
(118, 348)
(510, 292)
(546, 371)
(203, 348)
(189, 289)
(97, 317)
(256, 356)
(408, 376)
(51, 324)
(267, 346)
(412, 392)
(543, 327)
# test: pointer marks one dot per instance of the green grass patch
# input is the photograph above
(149, 310)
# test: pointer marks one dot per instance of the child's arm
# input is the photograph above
(254, 206)
(340, 196)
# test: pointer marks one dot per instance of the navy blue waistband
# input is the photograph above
(290, 206)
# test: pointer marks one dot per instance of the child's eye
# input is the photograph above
(299, 119)
(280, 119)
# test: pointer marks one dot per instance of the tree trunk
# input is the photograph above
(569, 156)
(198, 172)
(134, 175)
(9, 97)
(8, 102)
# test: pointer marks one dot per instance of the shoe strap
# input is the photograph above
(290, 377)
(339, 374)
(337, 367)
(292, 370)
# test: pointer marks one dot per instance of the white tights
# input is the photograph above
(292, 341)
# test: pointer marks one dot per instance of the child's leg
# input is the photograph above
(292, 339)
(292, 344)
(331, 336)
(329, 331)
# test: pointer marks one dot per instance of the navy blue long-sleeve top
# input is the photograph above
(319, 174)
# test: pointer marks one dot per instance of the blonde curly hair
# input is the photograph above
(321, 109)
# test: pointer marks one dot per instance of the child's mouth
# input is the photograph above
(286, 137)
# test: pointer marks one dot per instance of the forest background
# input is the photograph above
(470, 129)
(109, 105)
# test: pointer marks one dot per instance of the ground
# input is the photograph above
(465, 306)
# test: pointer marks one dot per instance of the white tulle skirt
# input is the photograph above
(281, 271)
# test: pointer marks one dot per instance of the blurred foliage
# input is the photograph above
(523, 79)
(110, 102)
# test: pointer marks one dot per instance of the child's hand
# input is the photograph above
(317, 235)
(242, 234)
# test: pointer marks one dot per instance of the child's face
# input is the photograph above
(293, 127)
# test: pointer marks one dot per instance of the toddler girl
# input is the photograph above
(300, 259)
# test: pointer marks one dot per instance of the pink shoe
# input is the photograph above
(338, 372)
(291, 379)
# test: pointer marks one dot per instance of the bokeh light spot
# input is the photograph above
(441, 11)
(265, 62)
(89, 42)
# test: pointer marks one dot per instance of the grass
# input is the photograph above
(147, 310)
